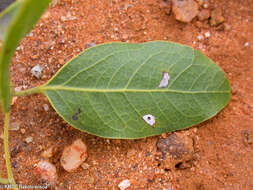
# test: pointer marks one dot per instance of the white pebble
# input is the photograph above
(124, 184)
(200, 37)
(85, 166)
(207, 34)
(18, 88)
(29, 139)
(37, 71)
(22, 131)
(74, 155)
(14, 126)
(30, 34)
(45, 106)
(206, 5)
(47, 171)
(246, 44)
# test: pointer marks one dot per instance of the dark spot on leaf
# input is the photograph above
(75, 116)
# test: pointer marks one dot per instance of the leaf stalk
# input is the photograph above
(29, 91)
(7, 153)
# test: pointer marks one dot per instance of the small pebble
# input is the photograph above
(166, 6)
(200, 2)
(55, 2)
(246, 44)
(89, 180)
(216, 17)
(63, 18)
(46, 15)
(14, 126)
(92, 44)
(48, 153)
(74, 155)
(30, 34)
(45, 106)
(200, 46)
(18, 88)
(207, 34)
(200, 37)
(204, 14)
(29, 139)
(14, 99)
(124, 184)
(2, 135)
(22, 131)
(61, 61)
(70, 17)
(37, 71)
(20, 48)
(125, 36)
(14, 164)
(47, 171)
(85, 166)
(206, 5)
(185, 11)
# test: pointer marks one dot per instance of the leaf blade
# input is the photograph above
(25, 14)
(116, 89)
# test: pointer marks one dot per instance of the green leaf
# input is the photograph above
(19, 20)
(111, 89)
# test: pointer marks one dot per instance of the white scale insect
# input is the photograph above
(165, 80)
(149, 119)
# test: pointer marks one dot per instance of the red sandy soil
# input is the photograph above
(221, 148)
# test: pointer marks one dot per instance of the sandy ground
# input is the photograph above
(219, 152)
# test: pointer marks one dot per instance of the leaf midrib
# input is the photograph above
(123, 90)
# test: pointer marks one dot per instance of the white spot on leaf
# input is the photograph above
(165, 80)
(149, 119)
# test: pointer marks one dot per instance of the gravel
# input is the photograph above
(74, 155)
(37, 71)
(124, 184)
